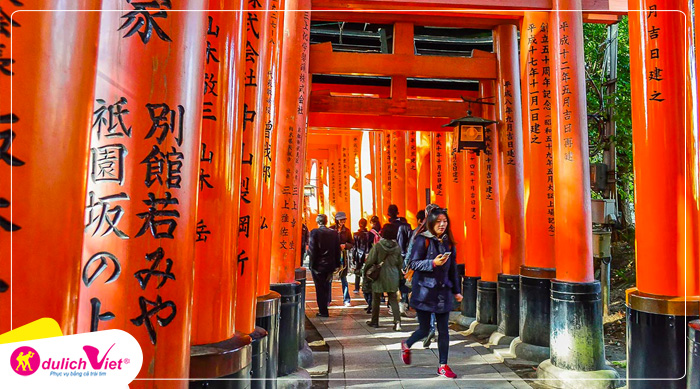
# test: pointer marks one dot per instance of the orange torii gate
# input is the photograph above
(164, 95)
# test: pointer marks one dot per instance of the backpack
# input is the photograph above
(376, 235)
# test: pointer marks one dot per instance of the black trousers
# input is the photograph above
(424, 329)
(323, 290)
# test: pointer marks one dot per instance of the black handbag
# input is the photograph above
(374, 271)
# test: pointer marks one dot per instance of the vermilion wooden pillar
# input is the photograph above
(253, 127)
(321, 183)
(398, 158)
(472, 214)
(510, 132)
(538, 264)
(46, 102)
(490, 216)
(575, 297)
(455, 200)
(215, 246)
(537, 77)
(438, 171)
(423, 162)
(270, 150)
(291, 141)
(387, 175)
(666, 197)
(140, 230)
(293, 93)
(378, 173)
(472, 243)
(356, 174)
(412, 207)
(511, 178)
(344, 177)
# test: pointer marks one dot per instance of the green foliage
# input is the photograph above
(595, 43)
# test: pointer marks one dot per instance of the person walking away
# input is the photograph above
(346, 243)
(363, 243)
(366, 282)
(304, 242)
(403, 238)
(435, 281)
(324, 259)
(387, 254)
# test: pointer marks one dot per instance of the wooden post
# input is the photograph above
(423, 164)
(46, 102)
(666, 296)
(269, 172)
(215, 246)
(438, 171)
(137, 272)
(510, 133)
(412, 202)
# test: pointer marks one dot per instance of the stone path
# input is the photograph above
(362, 356)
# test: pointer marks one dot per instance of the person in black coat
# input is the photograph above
(324, 260)
(435, 282)
(346, 244)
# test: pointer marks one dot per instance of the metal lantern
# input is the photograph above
(469, 132)
(309, 190)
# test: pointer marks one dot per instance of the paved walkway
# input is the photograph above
(362, 356)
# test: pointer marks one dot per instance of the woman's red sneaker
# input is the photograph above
(405, 353)
(445, 371)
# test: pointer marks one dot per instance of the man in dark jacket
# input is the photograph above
(403, 238)
(404, 227)
(324, 259)
(363, 243)
(346, 243)
(304, 243)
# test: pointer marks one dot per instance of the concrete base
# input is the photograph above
(300, 379)
(464, 321)
(568, 379)
(480, 330)
(529, 352)
(306, 358)
(499, 339)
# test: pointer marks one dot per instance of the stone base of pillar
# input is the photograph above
(576, 339)
(656, 340)
(694, 354)
(606, 378)
(460, 319)
(528, 352)
(469, 296)
(486, 302)
(508, 314)
(535, 306)
(300, 277)
(498, 338)
(288, 360)
(306, 358)
(264, 370)
(230, 359)
(480, 330)
(298, 379)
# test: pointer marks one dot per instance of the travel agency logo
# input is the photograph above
(110, 359)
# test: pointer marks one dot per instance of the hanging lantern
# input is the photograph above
(309, 190)
(469, 132)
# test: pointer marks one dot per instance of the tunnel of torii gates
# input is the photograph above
(178, 153)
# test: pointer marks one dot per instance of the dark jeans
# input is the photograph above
(357, 282)
(323, 290)
(394, 307)
(424, 319)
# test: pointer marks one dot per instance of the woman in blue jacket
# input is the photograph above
(435, 282)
